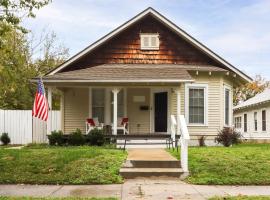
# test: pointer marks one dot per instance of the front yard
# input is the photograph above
(244, 164)
(61, 165)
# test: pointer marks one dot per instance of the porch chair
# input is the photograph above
(122, 124)
(92, 123)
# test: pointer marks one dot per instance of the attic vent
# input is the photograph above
(149, 41)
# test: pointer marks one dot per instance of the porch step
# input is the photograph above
(142, 143)
(152, 164)
(129, 173)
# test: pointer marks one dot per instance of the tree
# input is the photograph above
(249, 90)
(18, 64)
(13, 11)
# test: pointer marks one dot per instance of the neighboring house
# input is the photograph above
(252, 117)
(147, 70)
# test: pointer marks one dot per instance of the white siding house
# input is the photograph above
(252, 117)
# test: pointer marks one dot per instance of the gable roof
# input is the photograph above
(166, 22)
(262, 97)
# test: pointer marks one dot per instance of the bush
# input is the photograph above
(5, 139)
(76, 138)
(56, 138)
(96, 137)
(228, 136)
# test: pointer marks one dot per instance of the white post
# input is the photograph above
(115, 92)
(107, 116)
(90, 102)
(178, 110)
(49, 121)
(62, 110)
(184, 143)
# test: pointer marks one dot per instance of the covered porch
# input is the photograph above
(147, 95)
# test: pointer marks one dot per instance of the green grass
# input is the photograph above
(245, 164)
(242, 198)
(61, 165)
(51, 198)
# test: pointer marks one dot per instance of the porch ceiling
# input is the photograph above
(137, 73)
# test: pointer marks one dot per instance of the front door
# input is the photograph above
(161, 106)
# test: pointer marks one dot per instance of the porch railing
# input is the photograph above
(180, 126)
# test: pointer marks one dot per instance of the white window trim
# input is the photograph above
(149, 35)
(199, 86)
(264, 109)
(226, 87)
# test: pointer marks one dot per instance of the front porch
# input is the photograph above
(148, 108)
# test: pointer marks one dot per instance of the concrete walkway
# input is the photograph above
(135, 189)
(149, 154)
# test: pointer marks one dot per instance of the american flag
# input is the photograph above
(41, 107)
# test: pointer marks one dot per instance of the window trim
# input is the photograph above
(245, 123)
(150, 47)
(236, 122)
(265, 119)
(255, 127)
(196, 86)
(226, 87)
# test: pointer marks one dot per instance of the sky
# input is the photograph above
(237, 30)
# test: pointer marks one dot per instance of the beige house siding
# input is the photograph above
(139, 120)
(76, 106)
(75, 109)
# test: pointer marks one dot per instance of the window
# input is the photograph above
(98, 104)
(149, 41)
(227, 106)
(264, 120)
(120, 104)
(196, 98)
(245, 122)
(238, 122)
(255, 122)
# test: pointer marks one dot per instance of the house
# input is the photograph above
(252, 117)
(147, 70)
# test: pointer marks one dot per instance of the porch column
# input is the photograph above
(115, 92)
(178, 109)
(62, 110)
(108, 104)
(49, 121)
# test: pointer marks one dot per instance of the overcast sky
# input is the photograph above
(237, 30)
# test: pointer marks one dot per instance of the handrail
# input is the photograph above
(173, 127)
(182, 126)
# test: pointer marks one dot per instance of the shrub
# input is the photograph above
(56, 138)
(228, 136)
(96, 137)
(76, 138)
(202, 141)
(5, 139)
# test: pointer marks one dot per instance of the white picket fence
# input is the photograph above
(23, 129)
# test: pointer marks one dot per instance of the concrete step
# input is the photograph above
(152, 164)
(129, 173)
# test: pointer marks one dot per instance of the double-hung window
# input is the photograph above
(196, 104)
(255, 121)
(98, 104)
(263, 120)
(227, 106)
(238, 122)
(245, 123)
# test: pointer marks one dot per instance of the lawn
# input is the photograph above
(244, 164)
(61, 165)
(242, 198)
(51, 198)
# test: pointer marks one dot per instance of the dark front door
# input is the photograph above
(161, 106)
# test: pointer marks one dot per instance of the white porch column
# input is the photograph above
(115, 92)
(49, 121)
(62, 110)
(90, 102)
(178, 109)
(107, 116)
